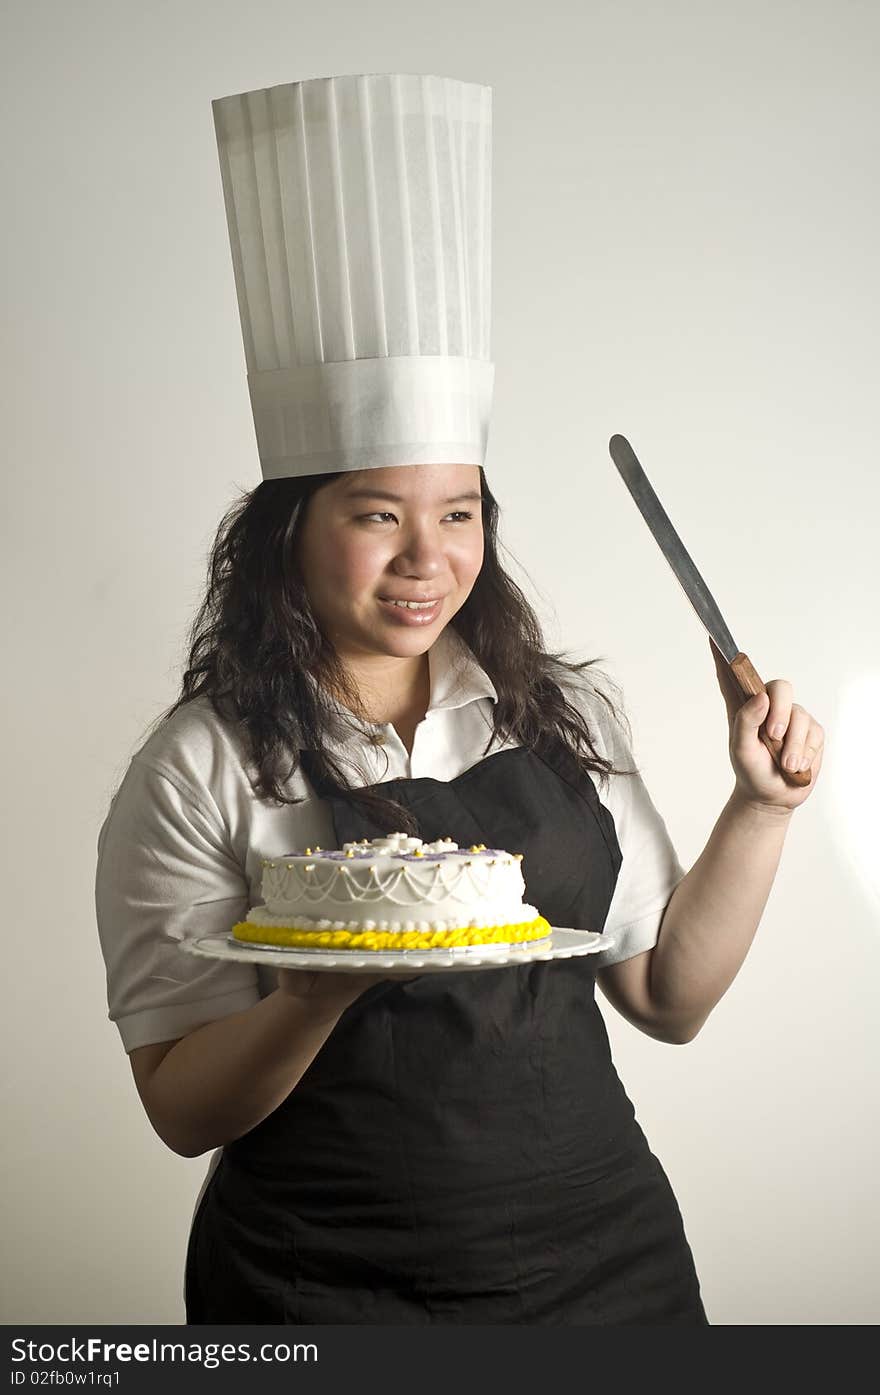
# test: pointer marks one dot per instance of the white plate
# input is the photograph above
(560, 944)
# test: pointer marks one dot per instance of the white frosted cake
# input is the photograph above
(395, 892)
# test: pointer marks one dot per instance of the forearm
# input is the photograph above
(713, 913)
(225, 1078)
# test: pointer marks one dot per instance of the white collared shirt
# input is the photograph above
(180, 851)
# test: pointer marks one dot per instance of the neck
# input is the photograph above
(393, 690)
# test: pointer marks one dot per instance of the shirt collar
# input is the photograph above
(456, 677)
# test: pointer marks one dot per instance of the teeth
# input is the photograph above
(415, 605)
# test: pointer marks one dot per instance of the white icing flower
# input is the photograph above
(395, 844)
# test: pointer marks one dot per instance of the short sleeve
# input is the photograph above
(650, 869)
(165, 875)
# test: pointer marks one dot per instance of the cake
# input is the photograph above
(393, 893)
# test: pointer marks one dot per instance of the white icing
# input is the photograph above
(260, 915)
(382, 885)
(400, 843)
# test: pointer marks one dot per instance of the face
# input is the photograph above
(375, 538)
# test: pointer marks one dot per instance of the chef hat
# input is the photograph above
(359, 214)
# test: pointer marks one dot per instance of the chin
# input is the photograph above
(407, 646)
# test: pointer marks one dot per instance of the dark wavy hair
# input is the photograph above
(257, 653)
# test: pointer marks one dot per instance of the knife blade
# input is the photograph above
(743, 672)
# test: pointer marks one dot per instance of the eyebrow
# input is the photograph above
(472, 495)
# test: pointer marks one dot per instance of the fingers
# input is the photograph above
(787, 722)
(793, 736)
(780, 712)
(751, 713)
(812, 747)
(802, 737)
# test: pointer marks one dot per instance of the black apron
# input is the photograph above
(461, 1149)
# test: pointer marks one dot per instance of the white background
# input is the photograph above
(686, 223)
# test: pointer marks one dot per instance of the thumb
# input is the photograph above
(753, 712)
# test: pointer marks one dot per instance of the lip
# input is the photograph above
(411, 617)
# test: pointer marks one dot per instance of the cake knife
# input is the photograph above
(695, 588)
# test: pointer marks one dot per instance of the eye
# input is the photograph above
(384, 516)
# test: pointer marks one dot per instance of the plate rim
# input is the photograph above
(226, 947)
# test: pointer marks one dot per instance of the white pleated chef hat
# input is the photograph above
(359, 214)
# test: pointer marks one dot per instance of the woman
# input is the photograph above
(439, 1148)
(449, 1148)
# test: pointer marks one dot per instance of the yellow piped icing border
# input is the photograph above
(290, 936)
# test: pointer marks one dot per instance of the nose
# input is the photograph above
(421, 554)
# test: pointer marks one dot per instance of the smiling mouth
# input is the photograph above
(412, 605)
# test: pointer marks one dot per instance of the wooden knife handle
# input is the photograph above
(749, 683)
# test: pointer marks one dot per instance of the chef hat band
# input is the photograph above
(359, 216)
